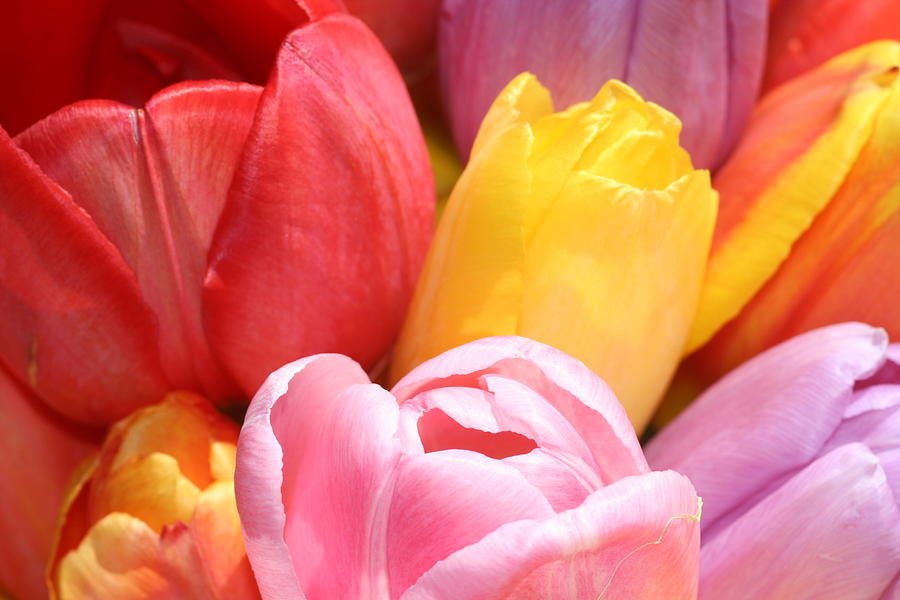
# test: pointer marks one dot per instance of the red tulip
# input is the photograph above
(39, 453)
(219, 232)
(55, 52)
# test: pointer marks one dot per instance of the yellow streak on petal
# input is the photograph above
(751, 251)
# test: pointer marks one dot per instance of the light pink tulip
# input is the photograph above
(797, 457)
(500, 469)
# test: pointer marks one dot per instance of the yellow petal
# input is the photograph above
(523, 101)
(799, 148)
(119, 558)
(613, 277)
(151, 488)
(471, 284)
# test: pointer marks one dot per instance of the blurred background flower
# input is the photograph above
(796, 455)
(502, 468)
(702, 60)
(154, 516)
(587, 229)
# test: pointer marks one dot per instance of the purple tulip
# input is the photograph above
(796, 455)
(700, 59)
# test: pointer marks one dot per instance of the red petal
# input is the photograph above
(38, 452)
(253, 30)
(74, 325)
(154, 181)
(45, 49)
(330, 214)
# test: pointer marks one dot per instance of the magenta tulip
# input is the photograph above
(500, 469)
(797, 457)
(217, 233)
(700, 59)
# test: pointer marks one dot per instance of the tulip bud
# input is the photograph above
(809, 222)
(155, 515)
(797, 458)
(701, 59)
(586, 229)
(805, 33)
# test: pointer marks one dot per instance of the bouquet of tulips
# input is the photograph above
(450, 299)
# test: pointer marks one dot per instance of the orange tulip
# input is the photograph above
(154, 516)
(809, 217)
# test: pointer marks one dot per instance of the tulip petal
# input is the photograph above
(260, 473)
(636, 538)
(119, 557)
(800, 147)
(68, 299)
(769, 417)
(347, 545)
(33, 435)
(652, 45)
(148, 199)
(209, 553)
(615, 293)
(806, 33)
(831, 532)
(567, 384)
(253, 30)
(329, 216)
(40, 77)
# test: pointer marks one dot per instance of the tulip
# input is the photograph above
(500, 469)
(586, 229)
(154, 516)
(809, 222)
(40, 451)
(797, 457)
(127, 51)
(805, 33)
(215, 234)
(700, 59)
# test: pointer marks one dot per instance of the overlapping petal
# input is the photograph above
(488, 442)
(328, 259)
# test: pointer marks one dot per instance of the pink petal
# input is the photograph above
(69, 300)
(38, 454)
(572, 389)
(832, 532)
(768, 417)
(155, 181)
(636, 538)
(330, 214)
(260, 459)
(352, 501)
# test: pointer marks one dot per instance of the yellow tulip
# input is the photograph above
(154, 515)
(586, 229)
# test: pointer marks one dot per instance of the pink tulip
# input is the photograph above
(222, 230)
(797, 457)
(500, 469)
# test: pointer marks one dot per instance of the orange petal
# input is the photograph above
(802, 144)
